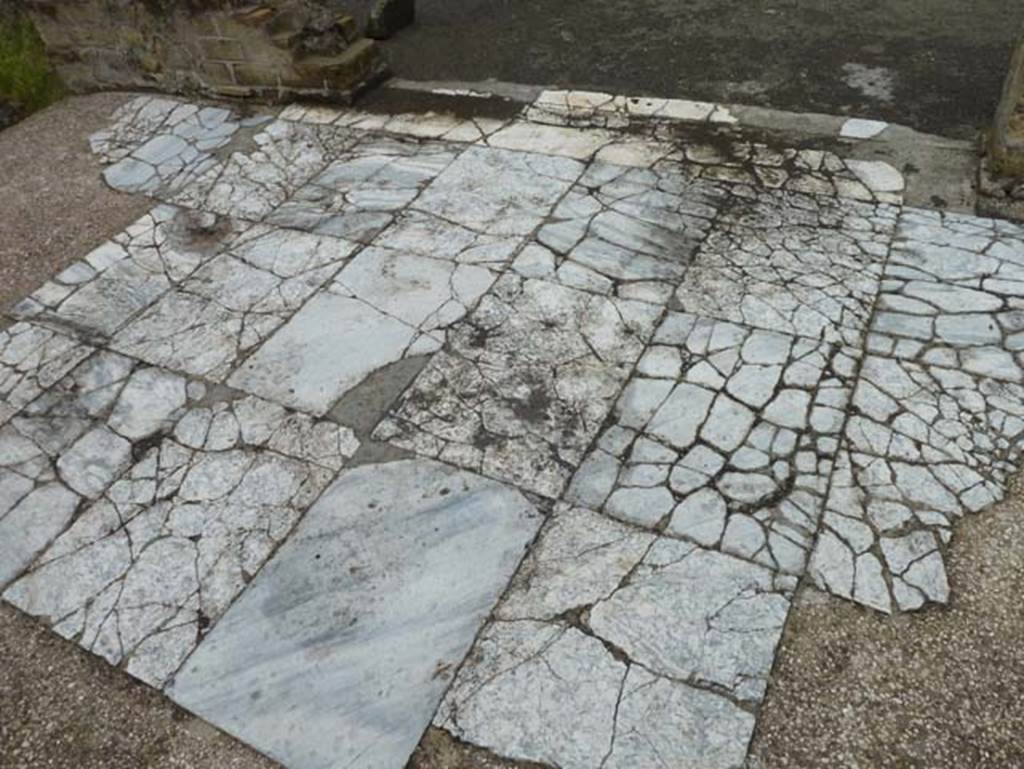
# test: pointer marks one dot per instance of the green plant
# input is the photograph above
(27, 81)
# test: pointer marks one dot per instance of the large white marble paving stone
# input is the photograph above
(340, 650)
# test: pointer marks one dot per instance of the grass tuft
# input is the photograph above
(27, 82)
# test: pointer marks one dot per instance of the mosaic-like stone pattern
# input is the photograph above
(70, 443)
(33, 358)
(726, 437)
(148, 567)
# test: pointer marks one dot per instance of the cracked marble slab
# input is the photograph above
(160, 144)
(624, 231)
(612, 682)
(344, 664)
(603, 110)
(249, 185)
(726, 437)
(499, 191)
(71, 442)
(953, 295)
(234, 301)
(524, 382)
(358, 195)
(925, 446)
(98, 295)
(33, 358)
(384, 306)
(774, 263)
(148, 567)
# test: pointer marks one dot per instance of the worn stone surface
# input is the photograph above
(148, 567)
(726, 437)
(525, 382)
(410, 556)
(701, 355)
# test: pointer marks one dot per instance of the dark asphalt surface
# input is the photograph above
(936, 65)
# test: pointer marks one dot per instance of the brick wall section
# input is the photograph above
(276, 49)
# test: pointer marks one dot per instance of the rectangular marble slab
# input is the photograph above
(382, 307)
(358, 194)
(340, 650)
(524, 382)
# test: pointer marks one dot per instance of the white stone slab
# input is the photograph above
(340, 650)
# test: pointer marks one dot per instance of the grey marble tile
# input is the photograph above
(340, 650)
(628, 232)
(147, 568)
(524, 383)
(382, 307)
(358, 194)
(234, 302)
(662, 666)
(32, 358)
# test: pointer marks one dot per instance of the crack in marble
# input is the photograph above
(725, 436)
(97, 296)
(146, 569)
(161, 145)
(32, 359)
(234, 302)
(791, 263)
(524, 382)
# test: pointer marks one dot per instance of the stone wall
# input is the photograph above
(1007, 143)
(276, 49)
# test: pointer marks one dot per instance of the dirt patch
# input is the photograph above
(56, 207)
(439, 750)
(65, 709)
(941, 688)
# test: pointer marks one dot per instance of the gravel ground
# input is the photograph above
(853, 689)
(62, 708)
(54, 204)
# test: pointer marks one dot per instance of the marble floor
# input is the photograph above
(528, 429)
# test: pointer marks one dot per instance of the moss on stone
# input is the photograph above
(27, 82)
